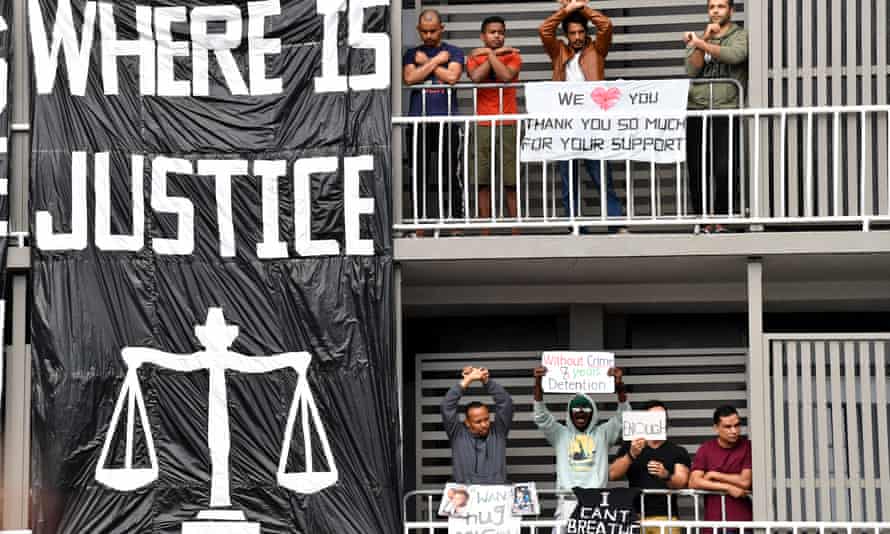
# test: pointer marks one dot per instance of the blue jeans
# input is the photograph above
(613, 205)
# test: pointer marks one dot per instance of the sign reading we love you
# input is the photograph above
(642, 120)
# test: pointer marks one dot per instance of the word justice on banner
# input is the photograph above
(222, 171)
(624, 120)
(578, 372)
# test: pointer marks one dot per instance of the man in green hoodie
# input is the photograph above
(582, 446)
(721, 51)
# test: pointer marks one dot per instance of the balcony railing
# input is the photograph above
(798, 167)
(420, 515)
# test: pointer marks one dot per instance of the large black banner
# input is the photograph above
(211, 325)
(5, 65)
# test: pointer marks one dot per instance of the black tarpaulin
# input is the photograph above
(168, 199)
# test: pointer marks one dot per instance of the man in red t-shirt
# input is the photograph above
(495, 63)
(724, 464)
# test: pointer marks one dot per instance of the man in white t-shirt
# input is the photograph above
(580, 59)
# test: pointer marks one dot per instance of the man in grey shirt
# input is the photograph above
(478, 447)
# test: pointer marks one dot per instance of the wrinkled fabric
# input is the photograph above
(5, 76)
(88, 305)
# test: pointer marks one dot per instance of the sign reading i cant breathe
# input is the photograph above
(578, 372)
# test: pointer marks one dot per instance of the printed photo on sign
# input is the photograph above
(455, 500)
(491, 512)
(644, 424)
(578, 372)
(525, 499)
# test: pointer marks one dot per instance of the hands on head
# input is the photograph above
(471, 374)
(572, 5)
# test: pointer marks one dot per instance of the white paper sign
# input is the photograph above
(578, 372)
(642, 120)
(650, 425)
(490, 512)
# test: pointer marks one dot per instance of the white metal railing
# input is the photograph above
(802, 172)
(425, 506)
(457, 151)
(768, 527)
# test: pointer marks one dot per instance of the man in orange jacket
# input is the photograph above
(581, 59)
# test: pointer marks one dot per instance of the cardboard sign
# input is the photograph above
(578, 372)
(650, 425)
(604, 512)
(640, 120)
(490, 512)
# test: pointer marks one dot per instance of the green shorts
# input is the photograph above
(505, 144)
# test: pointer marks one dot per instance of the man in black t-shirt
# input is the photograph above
(653, 465)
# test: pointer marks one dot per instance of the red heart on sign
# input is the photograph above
(606, 98)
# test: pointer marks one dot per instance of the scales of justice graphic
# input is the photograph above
(216, 337)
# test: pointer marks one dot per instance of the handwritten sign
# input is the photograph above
(641, 120)
(651, 425)
(578, 372)
(490, 512)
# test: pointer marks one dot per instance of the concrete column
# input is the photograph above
(17, 403)
(586, 327)
(758, 391)
(395, 31)
(17, 377)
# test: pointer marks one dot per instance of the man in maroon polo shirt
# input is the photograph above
(724, 464)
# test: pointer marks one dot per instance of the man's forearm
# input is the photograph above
(709, 485)
(421, 73)
(677, 481)
(501, 71)
(736, 480)
(480, 73)
(619, 467)
(697, 59)
(444, 74)
(705, 47)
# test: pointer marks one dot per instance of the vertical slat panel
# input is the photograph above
(851, 183)
(881, 36)
(777, 34)
(822, 175)
(780, 443)
(807, 428)
(854, 478)
(867, 36)
(868, 449)
(837, 78)
(821, 408)
(794, 428)
(883, 429)
(865, 31)
(882, 203)
(806, 72)
(841, 512)
(793, 101)
(881, 61)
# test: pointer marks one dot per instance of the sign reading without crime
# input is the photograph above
(578, 372)
(624, 120)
